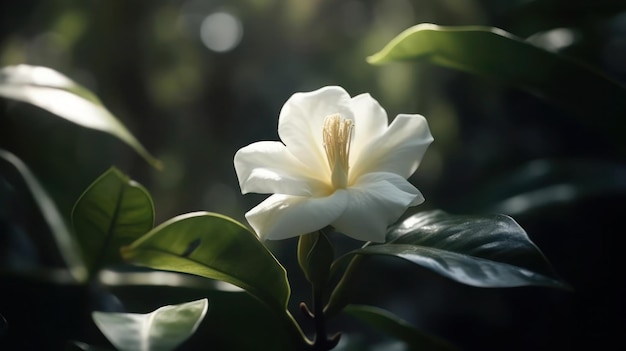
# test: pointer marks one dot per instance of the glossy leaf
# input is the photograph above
(494, 53)
(162, 330)
(392, 325)
(113, 212)
(60, 234)
(482, 251)
(217, 247)
(56, 93)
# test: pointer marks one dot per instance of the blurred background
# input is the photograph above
(195, 80)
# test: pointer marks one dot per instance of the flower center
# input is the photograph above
(337, 134)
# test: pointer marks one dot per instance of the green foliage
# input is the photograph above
(161, 330)
(54, 92)
(213, 246)
(496, 54)
(81, 346)
(113, 212)
(64, 243)
(483, 251)
(315, 255)
(385, 321)
(536, 185)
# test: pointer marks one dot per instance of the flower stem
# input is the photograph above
(321, 342)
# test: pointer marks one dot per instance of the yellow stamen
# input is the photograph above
(337, 134)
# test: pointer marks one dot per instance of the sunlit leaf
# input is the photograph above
(56, 93)
(217, 247)
(113, 212)
(232, 314)
(162, 330)
(214, 246)
(392, 325)
(494, 53)
(60, 234)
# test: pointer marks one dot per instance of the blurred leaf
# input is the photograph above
(3, 325)
(81, 346)
(60, 234)
(542, 183)
(390, 324)
(113, 212)
(162, 330)
(54, 92)
(494, 53)
(217, 247)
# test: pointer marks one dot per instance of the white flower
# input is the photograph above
(341, 164)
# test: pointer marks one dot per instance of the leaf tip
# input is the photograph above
(373, 59)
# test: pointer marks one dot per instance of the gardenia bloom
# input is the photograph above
(339, 164)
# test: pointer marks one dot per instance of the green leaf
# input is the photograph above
(113, 212)
(164, 329)
(217, 247)
(398, 328)
(494, 53)
(548, 182)
(56, 93)
(214, 246)
(482, 251)
(315, 255)
(60, 234)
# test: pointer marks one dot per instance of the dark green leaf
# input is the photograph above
(113, 212)
(54, 92)
(542, 183)
(163, 329)
(398, 328)
(483, 251)
(60, 234)
(3, 326)
(214, 246)
(493, 53)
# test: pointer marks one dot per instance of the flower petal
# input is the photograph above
(374, 202)
(284, 216)
(267, 167)
(370, 122)
(301, 121)
(398, 151)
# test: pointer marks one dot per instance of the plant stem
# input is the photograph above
(321, 342)
(320, 320)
